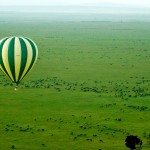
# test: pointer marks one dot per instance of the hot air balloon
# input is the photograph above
(17, 57)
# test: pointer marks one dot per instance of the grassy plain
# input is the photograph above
(89, 89)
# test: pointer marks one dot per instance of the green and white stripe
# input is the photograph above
(17, 57)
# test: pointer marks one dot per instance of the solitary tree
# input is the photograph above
(133, 141)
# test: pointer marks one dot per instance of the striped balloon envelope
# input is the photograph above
(17, 57)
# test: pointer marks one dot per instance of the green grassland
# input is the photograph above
(89, 89)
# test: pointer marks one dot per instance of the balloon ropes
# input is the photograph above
(17, 57)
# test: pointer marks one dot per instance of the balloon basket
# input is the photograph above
(16, 88)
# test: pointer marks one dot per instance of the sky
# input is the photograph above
(145, 3)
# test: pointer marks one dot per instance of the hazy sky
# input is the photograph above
(73, 2)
